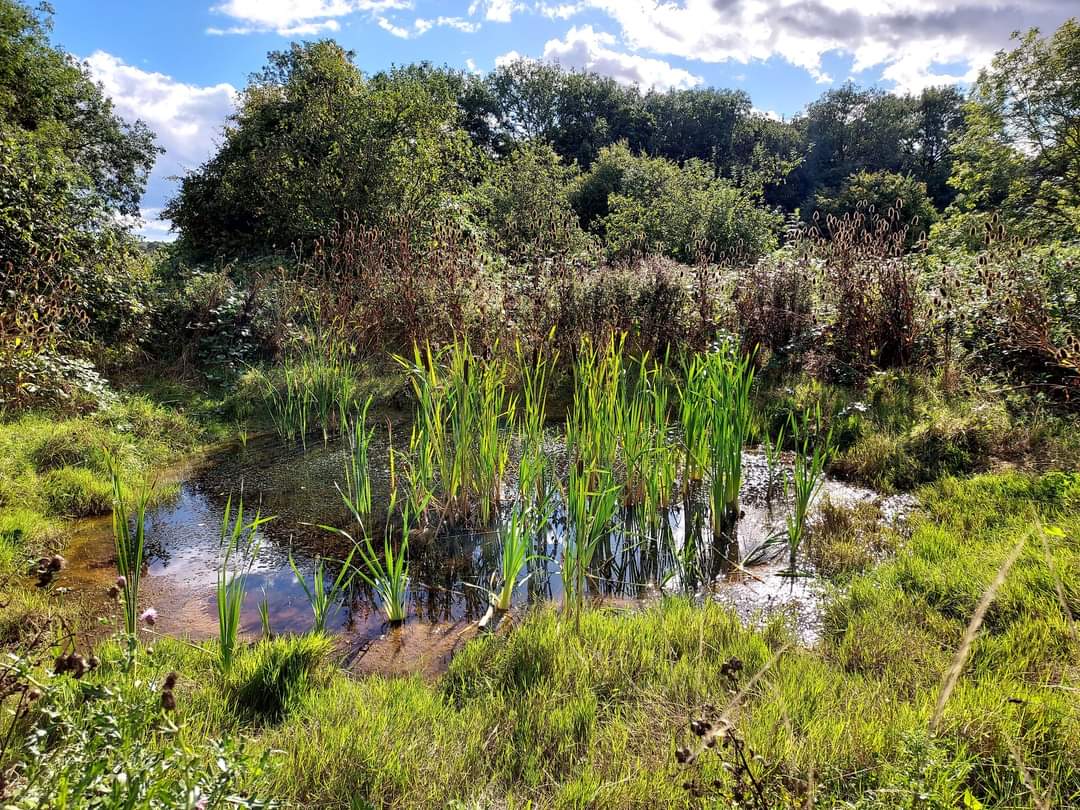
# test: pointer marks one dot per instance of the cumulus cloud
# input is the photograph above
(592, 50)
(185, 117)
(911, 43)
(422, 25)
(296, 17)
(495, 10)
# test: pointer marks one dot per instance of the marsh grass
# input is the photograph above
(238, 538)
(727, 419)
(461, 438)
(812, 453)
(321, 598)
(130, 545)
(357, 493)
(591, 498)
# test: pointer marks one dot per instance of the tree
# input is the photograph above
(69, 168)
(1021, 151)
(524, 204)
(897, 201)
(314, 140)
(643, 205)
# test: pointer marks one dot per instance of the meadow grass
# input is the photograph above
(550, 716)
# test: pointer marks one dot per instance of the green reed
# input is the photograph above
(130, 546)
(592, 426)
(534, 469)
(591, 500)
(357, 492)
(812, 453)
(460, 441)
(516, 539)
(315, 387)
(237, 537)
(322, 599)
(694, 418)
(729, 379)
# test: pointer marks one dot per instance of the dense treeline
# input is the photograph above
(420, 201)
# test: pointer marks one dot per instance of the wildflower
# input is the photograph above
(149, 616)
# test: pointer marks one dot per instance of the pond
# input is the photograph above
(450, 573)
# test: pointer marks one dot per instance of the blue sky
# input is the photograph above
(178, 65)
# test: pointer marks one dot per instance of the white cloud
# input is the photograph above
(422, 25)
(495, 10)
(296, 17)
(911, 43)
(185, 117)
(592, 50)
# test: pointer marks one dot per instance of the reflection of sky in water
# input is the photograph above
(448, 574)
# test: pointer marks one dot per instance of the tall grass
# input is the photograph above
(357, 492)
(812, 453)
(728, 379)
(516, 539)
(237, 538)
(130, 546)
(461, 440)
(591, 500)
(320, 598)
(317, 388)
(534, 468)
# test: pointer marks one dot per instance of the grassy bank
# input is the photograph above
(543, 716)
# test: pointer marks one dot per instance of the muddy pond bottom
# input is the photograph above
(449, 573)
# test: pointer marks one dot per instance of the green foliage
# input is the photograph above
(644, 205)
(68, 165)
(524, 204)
(76, 492)
(271, 678)
(110, 744)
(883, 193)
(278, 178)
(1020, 155)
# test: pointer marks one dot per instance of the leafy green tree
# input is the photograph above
(524, 204)
(897, 201)
(645, 205)
(313, 140)
(69, 168)
(1021, 152)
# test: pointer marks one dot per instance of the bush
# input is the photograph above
(76, 492)
(881, 202)
(271, 677)
(774, 306)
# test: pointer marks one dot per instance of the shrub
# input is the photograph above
(893, 203)
(774, 306)
(271, 677)
(76, 492)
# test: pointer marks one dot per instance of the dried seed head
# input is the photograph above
(33, 693)
(682, 755)
(121, 582)
(171, 679)
(168, 700)
(56, 563)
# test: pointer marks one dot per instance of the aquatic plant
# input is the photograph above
(591, 500)
(320, 598)
(264, 618)
(812, 453)
(357, 493)
(534, 467)
(460, 436)
(130, 545)
(516, 543)
(694, 409)
(237, 537)
(728, 380)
